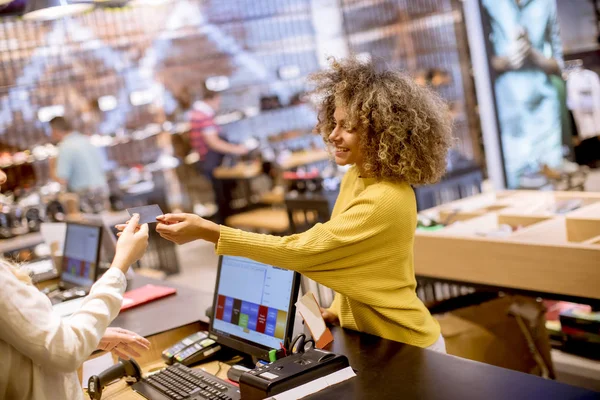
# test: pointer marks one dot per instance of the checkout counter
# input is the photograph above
(384, 369)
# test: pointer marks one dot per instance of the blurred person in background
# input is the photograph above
(527, 50)
(40, 352)
(79, 165)
(211, 146)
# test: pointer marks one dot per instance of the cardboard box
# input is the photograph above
(491, 333)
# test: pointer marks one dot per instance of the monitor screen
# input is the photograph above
(109, 234)
(80, 254)
(253, 305)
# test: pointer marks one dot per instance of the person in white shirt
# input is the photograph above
(41, 352)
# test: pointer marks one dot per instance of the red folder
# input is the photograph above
(145, 294)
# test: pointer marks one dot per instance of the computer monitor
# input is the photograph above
(109, 234)
(81, 254)
(254, 306)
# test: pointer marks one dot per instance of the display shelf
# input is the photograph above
(304, 158)
(488, 224)
(239, 171)
(547, 251)
(21, 242)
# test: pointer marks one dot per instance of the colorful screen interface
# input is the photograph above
(253, 301)
(80, 255)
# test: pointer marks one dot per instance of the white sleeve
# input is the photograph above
(28, 324)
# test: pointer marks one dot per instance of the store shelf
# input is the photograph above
(20, 242)
(549, 253)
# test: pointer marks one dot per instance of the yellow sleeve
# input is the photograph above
(325, 247)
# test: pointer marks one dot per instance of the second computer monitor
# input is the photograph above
(81, 254)
(253, 306)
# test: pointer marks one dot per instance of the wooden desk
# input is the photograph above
(151, 361)
(385, 369)
(392, 370)
(186, 307)
(163, 322)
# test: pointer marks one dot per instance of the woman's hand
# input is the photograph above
(132, 243)
(184, 228)
(123, 343)
(329, 317)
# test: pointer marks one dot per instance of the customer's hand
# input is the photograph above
(132, 243)
(184, 228)
(123, 343)
(329, 317)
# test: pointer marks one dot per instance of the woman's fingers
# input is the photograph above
(136, 231)
(124, 337)
(121, 227)
(132, 224)
(143, 230)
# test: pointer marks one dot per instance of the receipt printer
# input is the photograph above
(289, 372)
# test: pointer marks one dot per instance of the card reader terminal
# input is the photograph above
(169, 354)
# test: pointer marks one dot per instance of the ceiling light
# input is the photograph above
(217, 83)
(45, 114)
(107, 103)
(45, 10)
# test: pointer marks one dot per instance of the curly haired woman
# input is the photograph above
(395, 134)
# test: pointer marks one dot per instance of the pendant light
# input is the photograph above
(45, 10)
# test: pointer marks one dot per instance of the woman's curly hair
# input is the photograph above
(406, 129)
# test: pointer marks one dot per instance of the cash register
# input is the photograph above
(81, 255)
(253, 313)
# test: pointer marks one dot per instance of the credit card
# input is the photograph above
(148, 214)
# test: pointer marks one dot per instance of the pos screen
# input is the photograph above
(254, 305)
(80, 254)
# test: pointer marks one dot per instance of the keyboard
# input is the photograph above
(73, 293)
(179, 382)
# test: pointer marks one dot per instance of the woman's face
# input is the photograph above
(347, 149)
(2, 177)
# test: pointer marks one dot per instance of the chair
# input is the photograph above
(455, 185)
(306, 210)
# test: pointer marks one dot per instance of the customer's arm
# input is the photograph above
(215, 143)
(324, 247)
(28, 324)
(54, 174)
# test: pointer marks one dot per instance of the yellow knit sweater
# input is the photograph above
(364, 253)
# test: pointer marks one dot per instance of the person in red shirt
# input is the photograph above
(206, 140)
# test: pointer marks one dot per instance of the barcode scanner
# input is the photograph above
(124, 368)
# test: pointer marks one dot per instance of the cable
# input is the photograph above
(218, 370)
